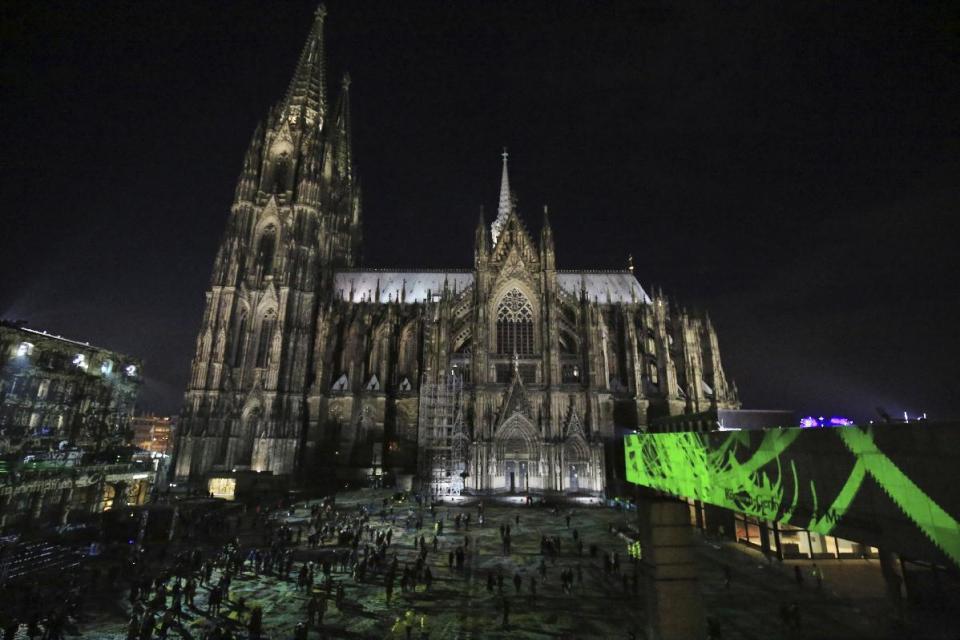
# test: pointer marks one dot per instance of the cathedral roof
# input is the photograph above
(603, 286)
(409, 286)
(415, 286)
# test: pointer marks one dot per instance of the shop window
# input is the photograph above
(223, 487)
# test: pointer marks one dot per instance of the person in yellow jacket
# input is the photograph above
(406, 624)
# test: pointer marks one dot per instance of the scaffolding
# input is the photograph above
(443, 438)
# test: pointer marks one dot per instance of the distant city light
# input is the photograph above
(841, 422)
(835, 421)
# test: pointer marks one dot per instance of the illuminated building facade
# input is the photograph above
(511, 375)
(65, 409)
(54, 389)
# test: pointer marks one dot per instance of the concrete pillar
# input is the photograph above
(5, 501)
(119, 495)
(671, 584)
(776, 539)
(892, 570)
(65, 501)
(36, 506)
(765, 539)
(97, 502)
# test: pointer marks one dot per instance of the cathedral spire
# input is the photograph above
(503, 208)
(307, 95)
(342, 133)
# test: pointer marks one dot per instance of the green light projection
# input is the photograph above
(767, 485)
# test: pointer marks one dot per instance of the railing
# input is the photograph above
(26, 474)
(34, 557)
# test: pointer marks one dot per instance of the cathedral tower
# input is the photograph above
(295, 218)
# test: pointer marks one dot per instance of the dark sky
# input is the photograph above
(792, 167)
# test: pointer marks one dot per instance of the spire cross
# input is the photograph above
(504, 155)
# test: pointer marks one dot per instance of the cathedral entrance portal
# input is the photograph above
(574, 482)
(516, 476)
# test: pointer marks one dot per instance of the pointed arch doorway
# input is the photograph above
(516, 448)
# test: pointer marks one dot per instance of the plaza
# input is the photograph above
(743, 595)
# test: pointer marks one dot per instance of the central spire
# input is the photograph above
(503, 209)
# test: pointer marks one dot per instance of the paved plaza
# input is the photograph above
(459, 604)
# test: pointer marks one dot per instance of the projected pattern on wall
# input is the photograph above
(757, 473)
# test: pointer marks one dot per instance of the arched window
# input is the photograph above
(515, 324)
(264, 339)
(281, 173)
(266, 249)
(236, 350)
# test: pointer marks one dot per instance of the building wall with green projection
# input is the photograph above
(888, 486)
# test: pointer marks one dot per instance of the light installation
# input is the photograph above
(761, 479)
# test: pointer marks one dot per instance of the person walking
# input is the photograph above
(517, 581)
(190, 591)
(255, 626)
(321, 610)
(133, 627)
(300, 631)
(818, 576)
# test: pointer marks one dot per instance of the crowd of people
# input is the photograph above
(197, 583)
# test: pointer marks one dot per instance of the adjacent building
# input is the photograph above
(153, 433)
(505, 373)
(65, 410)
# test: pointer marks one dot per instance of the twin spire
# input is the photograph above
(306, 96)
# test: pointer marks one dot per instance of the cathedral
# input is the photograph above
(508, 376)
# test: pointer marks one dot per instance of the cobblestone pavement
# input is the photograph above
(460, 606)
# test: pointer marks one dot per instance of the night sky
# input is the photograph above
(791, 167)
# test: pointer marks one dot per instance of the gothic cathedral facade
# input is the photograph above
(510, 376)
